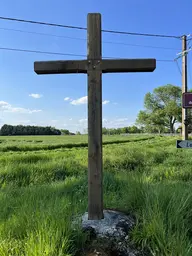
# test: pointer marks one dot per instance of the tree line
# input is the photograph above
(123, 130)
(162, 111)
(7, 130)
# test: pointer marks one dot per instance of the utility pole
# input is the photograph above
(184, 87)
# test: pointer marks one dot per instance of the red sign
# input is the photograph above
(187, 100)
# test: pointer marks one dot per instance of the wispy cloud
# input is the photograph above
(66, 98)
(35, 95)
(80, 101)
(6, 107)
(23, 122)
(82, 121)
(105, 102)
(119, 120)
(83, 100)
(110, 123)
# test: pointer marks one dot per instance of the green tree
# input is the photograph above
(28, 130)
(162, 108)
(134, 129)
(124, 130)
(65, 131)
(6, 130)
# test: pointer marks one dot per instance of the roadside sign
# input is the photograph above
(187, 100)
(184, 144)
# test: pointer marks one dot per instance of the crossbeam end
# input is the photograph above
(128, 65)
(60, 67)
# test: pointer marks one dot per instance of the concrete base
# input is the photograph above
(111, 234)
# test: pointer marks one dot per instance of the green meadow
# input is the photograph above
(43, 187)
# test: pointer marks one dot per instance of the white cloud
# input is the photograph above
(6, 107)
(67, 99)
(105, 102)
(121, 119)
(105, 120)
(83, 100)
(35, 95)
(80, 101)
(84, 120)
(24, 121)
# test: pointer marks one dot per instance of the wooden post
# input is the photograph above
(94, 66)
(184, 87)
(95, 161)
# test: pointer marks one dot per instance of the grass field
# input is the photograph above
(31, 143)
(43, 184)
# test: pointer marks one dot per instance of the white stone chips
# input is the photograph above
(114, 224)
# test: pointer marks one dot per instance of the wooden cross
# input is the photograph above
(94, 66)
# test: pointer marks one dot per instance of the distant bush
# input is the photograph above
(7, 130)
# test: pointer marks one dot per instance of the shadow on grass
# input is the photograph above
(26, 148)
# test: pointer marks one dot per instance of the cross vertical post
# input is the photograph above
(94, 66)
(95, 159)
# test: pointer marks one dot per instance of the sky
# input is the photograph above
(61, 100)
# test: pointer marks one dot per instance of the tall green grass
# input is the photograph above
(41, 192)
(16, 143)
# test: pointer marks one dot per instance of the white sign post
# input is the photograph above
(184, 144)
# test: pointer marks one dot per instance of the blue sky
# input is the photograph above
(27, 98)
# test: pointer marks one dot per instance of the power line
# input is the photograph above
(140, 34)
(42, 34)
(60, 53)
(83, 28)
(156, 59)
(178, 67)
(42, 23)
(42, 52)
(189, 67)
(165, 60)
(145, 46)
(84, 39)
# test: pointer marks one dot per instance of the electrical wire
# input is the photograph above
(42, 34)
(189, 66)
(83, 28)
(83, 39)
(60, 53)
(42, 52)
(140, 34)
(166, 60)
(42, 23)
(178, 67)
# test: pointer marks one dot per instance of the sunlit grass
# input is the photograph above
(41, 192)
(33, 143)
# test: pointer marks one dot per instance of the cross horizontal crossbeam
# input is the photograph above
(94, 66)
(106, 66)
